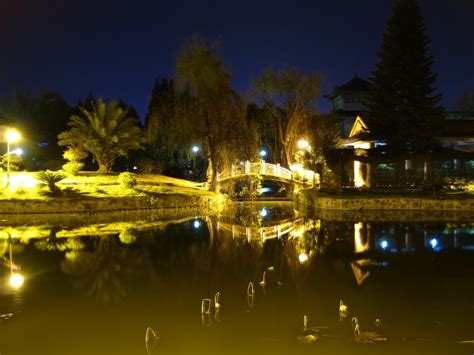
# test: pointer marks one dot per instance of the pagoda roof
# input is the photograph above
(356, 84)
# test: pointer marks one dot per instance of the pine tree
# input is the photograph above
(402, 107)
(160, 122)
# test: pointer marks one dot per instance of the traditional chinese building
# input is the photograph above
(348, 102)
(455, 155)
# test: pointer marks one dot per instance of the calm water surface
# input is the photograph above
(92, 287)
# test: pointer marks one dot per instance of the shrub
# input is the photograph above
(127, 180)
(73, 167)
(149, 166)
(50, 179)
(74, 157)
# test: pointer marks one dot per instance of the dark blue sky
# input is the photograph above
(115, 49)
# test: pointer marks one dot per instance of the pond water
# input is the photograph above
(93, 284)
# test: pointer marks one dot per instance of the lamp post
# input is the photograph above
(11, 136)
(195, 149)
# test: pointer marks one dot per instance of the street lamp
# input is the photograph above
(195, 149)
(303, 144)
(11, 136)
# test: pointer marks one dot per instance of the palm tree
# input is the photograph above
(105, 132)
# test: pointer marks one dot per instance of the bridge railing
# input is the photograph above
(298, 174)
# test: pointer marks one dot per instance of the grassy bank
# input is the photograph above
(90, 192)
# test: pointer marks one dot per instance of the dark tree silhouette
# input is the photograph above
(402, 106)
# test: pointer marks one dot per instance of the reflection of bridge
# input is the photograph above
(294, 228)
(297, 175)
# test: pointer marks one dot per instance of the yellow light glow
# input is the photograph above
(358, 178)
(21, 180)
(303, 257)
(16, 280)
(12, 135)
(303, 144)
(298, 168)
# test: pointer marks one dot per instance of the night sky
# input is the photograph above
(115, 49)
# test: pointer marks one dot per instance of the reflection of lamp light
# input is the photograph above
(434, 243)
(16, 280)
(303, 257)
(264, 212)
(384, 244)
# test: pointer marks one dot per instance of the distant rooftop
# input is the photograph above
(356, 84)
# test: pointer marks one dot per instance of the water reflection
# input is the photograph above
(105, 272)
(157, 272)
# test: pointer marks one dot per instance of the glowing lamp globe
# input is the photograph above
(12, 135)
(303, 144)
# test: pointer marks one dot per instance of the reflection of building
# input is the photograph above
(393, 238)
(347, 102)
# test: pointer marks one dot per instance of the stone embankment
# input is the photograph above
(100, 204)
(388, 208)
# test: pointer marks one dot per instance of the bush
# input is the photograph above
(73, 167)
(127, 180)
(149, 166)
(74, 157)
(50, 179)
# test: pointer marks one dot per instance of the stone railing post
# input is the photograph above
(247, 167)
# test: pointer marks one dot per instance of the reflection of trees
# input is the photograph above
(207, 262)
(52, 242)
(104, 272)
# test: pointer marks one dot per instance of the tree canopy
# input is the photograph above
(39, 119)
(215, 114)
(402, 106)
(289, 97)
(105, 132)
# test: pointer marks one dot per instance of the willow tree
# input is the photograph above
(215, 114)
(289, 97)
(105, 132)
